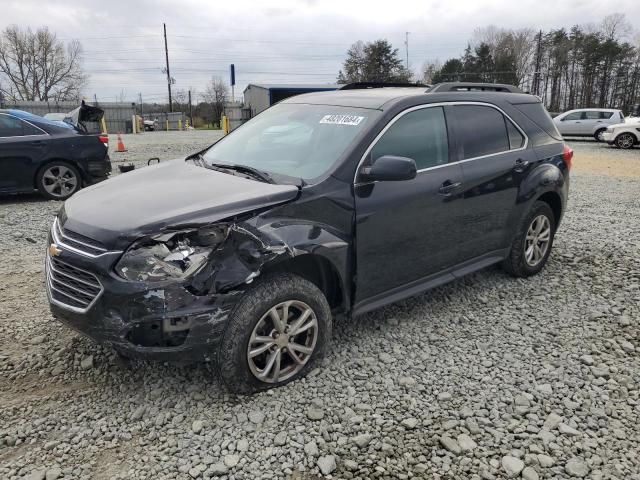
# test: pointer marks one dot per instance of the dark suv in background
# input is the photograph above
(325, 204)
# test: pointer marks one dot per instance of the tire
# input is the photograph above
(518, 261)
(252, 318)
(58, 180)
(625, 140)
(597, 134)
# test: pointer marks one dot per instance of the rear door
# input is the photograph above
(494, 157)
(407, 230)
(22, 148)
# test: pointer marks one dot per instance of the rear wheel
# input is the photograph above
(58, 180)
(277, 332)
(532, 245)
(625, 140)
(598, 135)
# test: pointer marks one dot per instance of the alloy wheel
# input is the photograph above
(625, 141)
(59, 181)
(282, 341)
(537, 241)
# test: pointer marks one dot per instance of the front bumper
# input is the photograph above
(608, 137)
(161, 321)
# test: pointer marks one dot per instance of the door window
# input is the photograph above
(420, 135)
(593, 115)
(10, 126)
(516, 139)
(606, 115)
(482, 131)
(574, 116)
(28, 129)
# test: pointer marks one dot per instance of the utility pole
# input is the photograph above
(166, 56)
(141, 107)
(95, 99)
(406, 45)
(190, 111)
(536, 73)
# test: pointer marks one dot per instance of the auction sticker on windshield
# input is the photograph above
(342, 119)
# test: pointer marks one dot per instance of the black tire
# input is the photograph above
(233, 362)
(43, 180)
(597, 134)
(516, 263)
(625, 141)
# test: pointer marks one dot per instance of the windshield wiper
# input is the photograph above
(253, 172)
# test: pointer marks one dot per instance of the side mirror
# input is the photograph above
(390, 168)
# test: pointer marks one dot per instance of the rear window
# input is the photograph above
(539, 115)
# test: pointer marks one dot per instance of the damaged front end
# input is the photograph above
(168, 293)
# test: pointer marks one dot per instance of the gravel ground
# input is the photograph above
(487, 377)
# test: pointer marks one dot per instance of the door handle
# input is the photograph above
(448, 187)
(521, 165)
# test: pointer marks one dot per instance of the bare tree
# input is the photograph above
(37, 66)
(512, 49)
(429, 70)
(216, 94)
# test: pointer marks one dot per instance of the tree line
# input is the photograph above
(577, 67)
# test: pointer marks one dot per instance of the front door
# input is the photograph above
(407, 230)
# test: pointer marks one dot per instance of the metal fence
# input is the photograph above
(118, 116)
(176, 119)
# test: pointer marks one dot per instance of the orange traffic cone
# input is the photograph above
(120, 145)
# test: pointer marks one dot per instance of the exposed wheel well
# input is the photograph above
(555, 202)
(317, 270)
(54, 160)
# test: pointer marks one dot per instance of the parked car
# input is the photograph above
(150, 125)
(587, 122)
(623, 135)
(327, 204)
(56, 158)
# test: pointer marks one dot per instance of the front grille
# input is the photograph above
(71, 287)
(80, 243)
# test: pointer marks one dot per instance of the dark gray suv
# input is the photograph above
(326, 204)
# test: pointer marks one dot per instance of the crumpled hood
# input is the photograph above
(141, 202)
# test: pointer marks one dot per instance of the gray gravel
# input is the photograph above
(488, 377)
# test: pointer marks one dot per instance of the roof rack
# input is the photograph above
(472, 86)
(364, 85)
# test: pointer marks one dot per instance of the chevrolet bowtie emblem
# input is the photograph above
(54, 251)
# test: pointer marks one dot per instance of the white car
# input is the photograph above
(623, 135)
(587, 122)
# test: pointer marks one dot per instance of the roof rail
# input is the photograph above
(364, 85)
(473, 86)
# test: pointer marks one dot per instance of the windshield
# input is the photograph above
(296, 140)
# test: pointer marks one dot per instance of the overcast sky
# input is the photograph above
(287, 41)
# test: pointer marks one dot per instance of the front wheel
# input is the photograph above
(625, 141)
(58, 180)
(276, 333)
(532, 245)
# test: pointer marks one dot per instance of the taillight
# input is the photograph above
(567, 156)
(104, 138)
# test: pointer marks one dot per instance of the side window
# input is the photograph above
(10, 126)
(606, 115)
(516, 139)
(481, 130)
(574, 116)
(29, 129)
(591, 115)
(420, 135)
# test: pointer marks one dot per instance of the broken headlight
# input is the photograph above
(173, 255)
